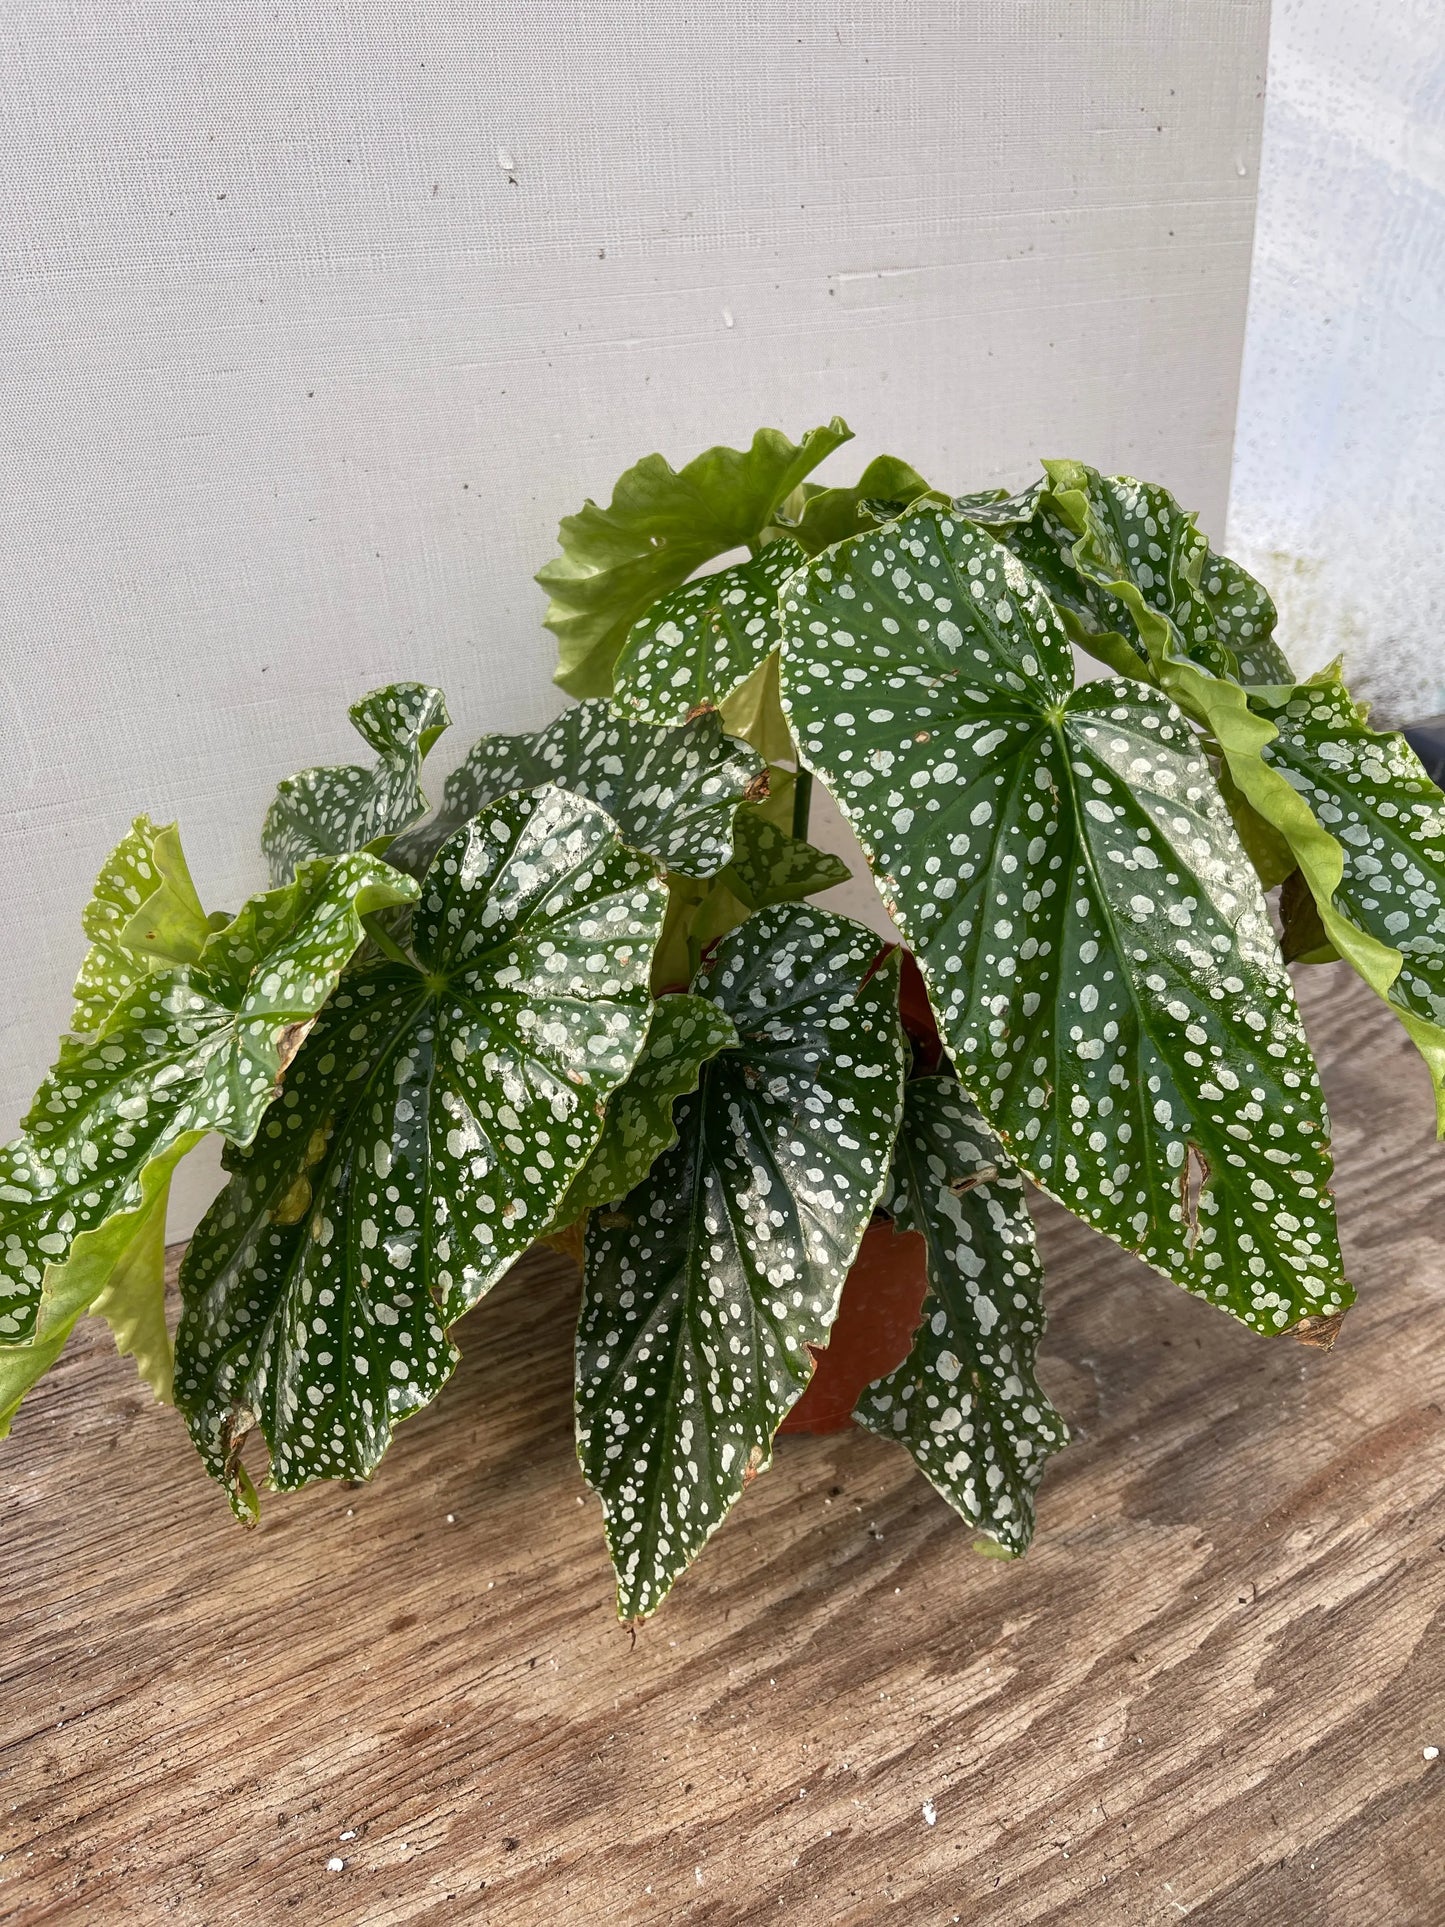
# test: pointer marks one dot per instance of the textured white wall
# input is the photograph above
(1340, 461)
(297, 378)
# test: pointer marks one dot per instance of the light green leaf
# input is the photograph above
(661, 526)
(684, 1033)
(338, 809)
(1302, 935)
(430, 1127)
(671, 792)
(170, 927)
(129, 878)
(1094, 942)
(118, 1270)
(698, 645)
(705, 1287)
(133, 1300)
(1266, 849)
(753, 713)
(965, 1402)
(885, 489)
(185, 1051)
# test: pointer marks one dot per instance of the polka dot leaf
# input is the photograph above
(1352, 809)
(143, 916)
(661, 526)
(1126, 567)
(706, 1285)
(336, 809)
(684, 1034)
(194, 1049)
(768, 866)
(1368, 827)
(699, 644)
(671, 792)
(1137, 553)
(427, 1132)
(1095, 944)
(965, 1402)
(771, 866)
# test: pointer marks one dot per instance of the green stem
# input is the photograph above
(802, 803)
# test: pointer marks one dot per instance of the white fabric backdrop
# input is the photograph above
(298, 375)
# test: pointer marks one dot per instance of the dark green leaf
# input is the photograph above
(1134, 543)
(684, 1033)
(1378, 879)
(1095, 945)
(1030, 527)
(707, 1284)
(185, 1051)
(661, 526)
(965, 1401)
(768, 866)
(336, 809)
(427, 1133)
(671, 792)
(698, 645)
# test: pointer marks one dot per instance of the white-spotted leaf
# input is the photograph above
(339, 808)
(1095, 944)
(671, 792)
(706, 1285)
(118, 1273)
(661, 526)
(1137, 552)
(684, 1033)
(696, 646)
(1379, 891)
(427, 1132)
(143, 916)
(965, 1402)
(185, 1051)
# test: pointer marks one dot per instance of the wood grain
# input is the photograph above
(1205, 1692)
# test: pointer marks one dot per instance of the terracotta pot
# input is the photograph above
(877, 1317)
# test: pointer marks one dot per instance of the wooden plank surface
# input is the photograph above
(1206, 1692)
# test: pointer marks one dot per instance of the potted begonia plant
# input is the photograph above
(591, 999)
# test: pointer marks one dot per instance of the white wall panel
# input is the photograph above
(296, 376)
(1341, 456)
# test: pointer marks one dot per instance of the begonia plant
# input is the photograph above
(589, 998)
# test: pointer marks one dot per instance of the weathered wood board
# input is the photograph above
(1206, 1692)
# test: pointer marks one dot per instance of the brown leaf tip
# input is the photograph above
(1321, 1332)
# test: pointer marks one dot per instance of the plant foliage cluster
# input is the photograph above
(590, 997)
